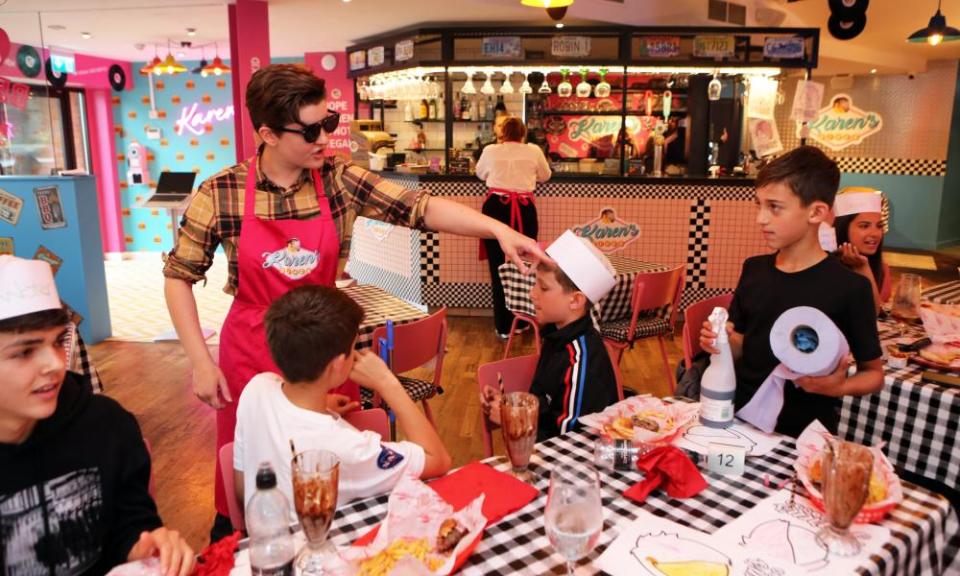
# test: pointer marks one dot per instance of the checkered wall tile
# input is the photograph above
(904, 166)
(698, 237)
(470, 295)
(430, 258)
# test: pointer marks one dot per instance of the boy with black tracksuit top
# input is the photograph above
(574, 375)
(74, 469)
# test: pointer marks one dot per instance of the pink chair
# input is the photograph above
(658, 292)
(226, 478)
(416, 344)
(517, 319)
(693, 318)
(517, 376)
(375, 420)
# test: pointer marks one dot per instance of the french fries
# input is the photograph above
(382, 563)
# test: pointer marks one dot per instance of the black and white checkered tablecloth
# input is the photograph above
(946, 293)
(919, 421)
(920, 526)
(380, 306)
(616, 305)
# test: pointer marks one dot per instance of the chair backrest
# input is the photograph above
(653, 290)
(693, 318)
(375, 420)
(517, 376)
(416, 343)
(226, 477)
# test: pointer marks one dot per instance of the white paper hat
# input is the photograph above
(857, 202)
(26, 286)
(584, 264)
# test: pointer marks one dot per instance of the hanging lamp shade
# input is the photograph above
(217, 67)
(936, 31)
(171, 66)
(546, 3)
(151, 66)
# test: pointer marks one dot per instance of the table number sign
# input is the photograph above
(726, 459)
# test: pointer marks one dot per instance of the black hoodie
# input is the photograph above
(574, 377)
(74, 496)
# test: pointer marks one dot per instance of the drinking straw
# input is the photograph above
(384, 352)
(500, 383)
(293, 450)
(390, 342)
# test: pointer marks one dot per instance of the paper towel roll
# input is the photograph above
(807, 342)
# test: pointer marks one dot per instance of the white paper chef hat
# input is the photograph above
(857, 202)
(584, 265)
(26, 286)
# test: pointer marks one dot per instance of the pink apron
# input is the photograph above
(273, 257)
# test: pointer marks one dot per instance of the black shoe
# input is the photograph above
(222, 527)
(504, 336)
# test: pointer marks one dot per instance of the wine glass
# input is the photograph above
(574, 516)
(316, 478)
(518, 424)
(906, 301)
(846, 484)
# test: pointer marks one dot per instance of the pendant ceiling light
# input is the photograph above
(149, 67)
(936, 31)
(171, 66)
(203, 63)
(217, 67)
(546, 3)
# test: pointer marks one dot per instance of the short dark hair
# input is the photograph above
(308, 327)
(276, 94)
(842, 225)
(563, 280)
(810, 173)
(513, 129)
(41, 320)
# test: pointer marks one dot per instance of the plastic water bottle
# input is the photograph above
(718, 385)
(616, 454)
(272, 549)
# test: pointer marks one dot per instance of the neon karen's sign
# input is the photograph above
(196, 121)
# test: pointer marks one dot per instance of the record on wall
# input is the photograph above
(117, 77)
(846, 29)
(848, 10)
(28, 61)
(55, 80)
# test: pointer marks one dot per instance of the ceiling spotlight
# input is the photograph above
(191, 31)
(181, 54)
(546, 3)
(873, 70)
(86, 35)
(57, 27)
(559, 24)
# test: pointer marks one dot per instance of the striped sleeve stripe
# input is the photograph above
(573, 384)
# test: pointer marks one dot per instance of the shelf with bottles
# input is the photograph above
(643, 112)
(435, 120)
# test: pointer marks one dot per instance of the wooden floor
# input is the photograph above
(153, 382)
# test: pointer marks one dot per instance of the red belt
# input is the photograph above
(515, 199)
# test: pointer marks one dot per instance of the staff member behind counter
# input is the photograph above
(284, 218)
(511, 170)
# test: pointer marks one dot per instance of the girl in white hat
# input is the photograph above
(860, 228)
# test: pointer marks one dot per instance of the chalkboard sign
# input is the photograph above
(458, 166)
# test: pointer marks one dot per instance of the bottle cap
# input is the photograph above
(718, 323)
(266, 477)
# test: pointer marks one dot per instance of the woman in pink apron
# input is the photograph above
(511, 170)
(297, 208)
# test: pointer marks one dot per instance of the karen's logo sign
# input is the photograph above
(841, 124)
(607, 232)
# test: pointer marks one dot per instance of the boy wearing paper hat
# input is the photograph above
(70, 505)
(794, 196)
(574, 375)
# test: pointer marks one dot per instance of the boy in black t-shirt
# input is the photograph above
(794, 195)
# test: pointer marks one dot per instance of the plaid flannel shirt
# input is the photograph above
(215, 213)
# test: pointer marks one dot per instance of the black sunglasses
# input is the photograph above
(312, 132)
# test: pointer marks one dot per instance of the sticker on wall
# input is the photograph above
(47, 255)
(841, 124)
(50, 207)
(159, 85)
(28, 61)
(764, 136)
(10, 207)
(807, 101)
(608, 232)
(117, 77)
(221, 83)
(56, 79)
(6, 245)
(190, 85)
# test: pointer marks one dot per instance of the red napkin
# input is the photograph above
(503, 493)
(668, 466)
(217, 559)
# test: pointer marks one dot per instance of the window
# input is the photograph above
(49, 134)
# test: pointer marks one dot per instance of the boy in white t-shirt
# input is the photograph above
(311, 332)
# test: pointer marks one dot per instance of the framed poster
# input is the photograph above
(10, 207)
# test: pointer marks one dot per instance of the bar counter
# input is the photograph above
(668, 220)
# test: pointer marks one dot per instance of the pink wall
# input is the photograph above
(91, 70)
(249, 51)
